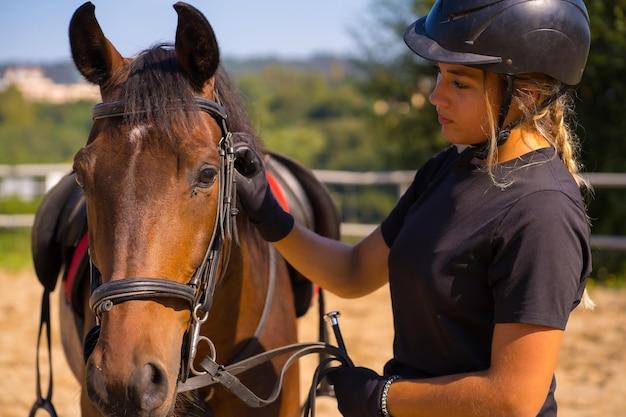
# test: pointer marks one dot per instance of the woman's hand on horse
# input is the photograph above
(251, 182)
(256, 197)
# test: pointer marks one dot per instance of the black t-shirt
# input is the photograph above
(466, 254)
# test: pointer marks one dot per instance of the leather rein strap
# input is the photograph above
(226, 375)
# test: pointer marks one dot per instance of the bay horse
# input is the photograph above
(153, 178)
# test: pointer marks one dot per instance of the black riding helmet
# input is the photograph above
(510, 37)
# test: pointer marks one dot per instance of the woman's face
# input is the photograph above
(459, 96)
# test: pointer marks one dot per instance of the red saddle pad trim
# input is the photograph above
(277, 190)
(70, 277)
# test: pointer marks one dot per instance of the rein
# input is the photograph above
(198, 293)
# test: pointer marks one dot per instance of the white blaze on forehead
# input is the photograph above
(136, 133)
(128, 204)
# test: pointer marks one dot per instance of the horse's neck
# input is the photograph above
(240, 296)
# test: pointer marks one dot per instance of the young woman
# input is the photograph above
(487, 252)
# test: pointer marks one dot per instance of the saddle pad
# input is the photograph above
(49, 236)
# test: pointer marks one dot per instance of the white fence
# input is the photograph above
(29, 181)
(402, 179)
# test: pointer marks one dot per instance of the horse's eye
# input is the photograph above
(82, 163)
(206, 177)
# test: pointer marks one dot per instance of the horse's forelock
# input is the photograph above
(157, 93)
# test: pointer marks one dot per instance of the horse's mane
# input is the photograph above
(156, 92)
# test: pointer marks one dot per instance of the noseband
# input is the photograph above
(197, 294)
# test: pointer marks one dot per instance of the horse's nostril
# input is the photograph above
(96, 384)
(148, 386)
(157, 375)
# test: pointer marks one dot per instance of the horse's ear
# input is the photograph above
(94, 56)
(196, 46)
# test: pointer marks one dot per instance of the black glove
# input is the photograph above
(358, 391)
(257, 198)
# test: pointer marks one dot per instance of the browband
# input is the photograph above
(117, 108)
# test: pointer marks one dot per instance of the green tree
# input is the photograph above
(41, 132)
(310, 116)
(397, 83)
(601, 108)
(14, 109)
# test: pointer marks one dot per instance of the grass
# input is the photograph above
(15, 249)
(15, 205)
(15, 252)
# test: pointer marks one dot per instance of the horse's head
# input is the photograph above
(150, 178)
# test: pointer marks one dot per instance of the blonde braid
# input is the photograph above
(550, 122)
(567, 144)
(568, 147)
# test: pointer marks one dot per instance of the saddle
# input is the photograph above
(60, 223)
(60, 243)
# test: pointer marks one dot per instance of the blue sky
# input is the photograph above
(36, 30)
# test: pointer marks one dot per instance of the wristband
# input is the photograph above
(384, 411)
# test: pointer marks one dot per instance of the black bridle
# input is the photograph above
(197, 294)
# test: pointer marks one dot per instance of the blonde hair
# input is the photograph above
(551, 121)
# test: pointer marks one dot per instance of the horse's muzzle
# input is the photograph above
(145, 393)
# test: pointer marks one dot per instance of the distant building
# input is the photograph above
(35, 86)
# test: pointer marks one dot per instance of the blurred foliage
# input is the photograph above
(40, 132)
(15, 205)
(601, 108)
(369, 114)
(609, 268)
(360, 204)
(15, 249)
(315, 118)
(398, 82)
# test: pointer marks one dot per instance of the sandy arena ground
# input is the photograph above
(591, 372)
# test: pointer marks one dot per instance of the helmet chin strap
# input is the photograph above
(507, 96)
(503, 132)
